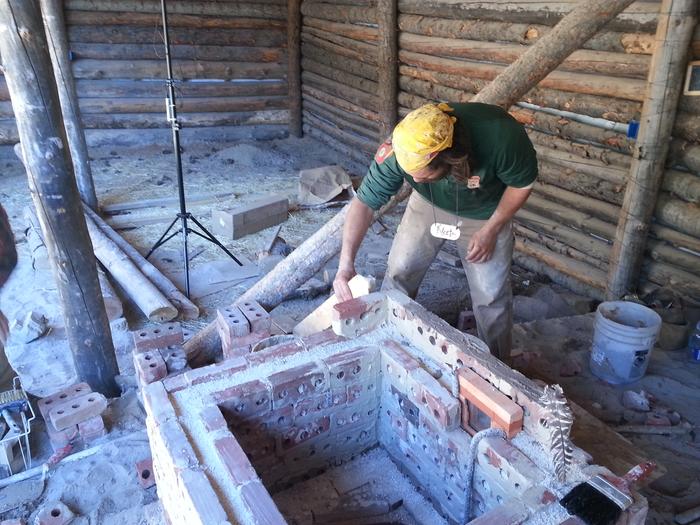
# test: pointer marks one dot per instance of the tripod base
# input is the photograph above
(184, 227)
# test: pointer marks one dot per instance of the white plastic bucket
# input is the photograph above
(624, 335)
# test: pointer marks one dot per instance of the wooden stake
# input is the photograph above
(677, 19)
(54, 191)
(388, 66)
(294, 66)
(55, 27)
(550, 51)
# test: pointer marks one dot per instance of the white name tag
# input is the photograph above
(444, 231)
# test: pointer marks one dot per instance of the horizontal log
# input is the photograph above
(116, 34)
(193, 120)
(182, 69)
(337, 49)
(342, 63)
(348, 14)
(184, 105)
(229, 9)
(594, 207)
(684, 282)
(343, 77)
(568, 279)
(687, 126)
(581, 183)
(352, 95)
(356, 161)
(339, 120)
(689, 104)
(101, 18)
(519, 33)
(686, 154)
(680, 215)
(357, 120)
(339, 102)
(570, 162)
(639, 17)
(360, 48)
(366, 3)
(683, 185)
(353, 31)
(525, 234)
(586, 151)
(618, 110)
(351, 139)
(138, 88)
(200, 52)
(582, 61)
(625, 88)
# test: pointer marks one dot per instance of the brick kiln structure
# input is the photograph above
(388, 374)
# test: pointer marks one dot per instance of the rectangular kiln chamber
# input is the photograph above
(389, 375)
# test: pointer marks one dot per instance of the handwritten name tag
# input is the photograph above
(444, 231)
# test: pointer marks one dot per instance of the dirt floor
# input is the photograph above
(103, 487)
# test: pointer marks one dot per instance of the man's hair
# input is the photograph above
(458, 159)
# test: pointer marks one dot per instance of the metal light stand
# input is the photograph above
(183, 216)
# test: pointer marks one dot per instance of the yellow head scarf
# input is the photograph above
(421, 134)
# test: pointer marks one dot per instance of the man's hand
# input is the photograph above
(340, 283)
(482, 244)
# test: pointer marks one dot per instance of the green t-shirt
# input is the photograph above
(502, 151)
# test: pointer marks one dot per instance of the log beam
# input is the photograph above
(677, 20)
(55, 193)
(294, 66)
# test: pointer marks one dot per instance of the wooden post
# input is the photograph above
(546, 54)
(55, 27)
(294, 61)
(54, 191)
(388, 66)
(677, 19)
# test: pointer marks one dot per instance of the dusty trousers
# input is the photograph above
(414, 249)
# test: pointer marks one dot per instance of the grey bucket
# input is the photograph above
(624, 335)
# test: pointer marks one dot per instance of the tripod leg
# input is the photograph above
(210, 237)
(185, 253)
(160, 241)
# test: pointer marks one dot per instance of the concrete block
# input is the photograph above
(54, 513)
(150, 366)
(47, 403)
(159, 336)
(73, 411)
(503, 411)
(250, 218)
(144, 473)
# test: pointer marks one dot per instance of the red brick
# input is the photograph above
(258, 446)
(213, 419)
(350, 365)
(313, 404)
(296, 383)
(47, 403)
(92, 429)
(174, 357)
(199, 496)
(231, 323)
(260, 506)
(351, 309)
(243, 345)
(144, 473)
(72, 411)
(246, 400)
(466, 321)
(397, 363)
(274, 353)
(299, 434)
(258, 318)
(157, 403)
(157, 337)
(61, 438)
(216, 371)
(323, 338)
(503, 411)
(359, 315)
(150, 367)
(235, 460)
(54, 513)
(518, 473)
(436, 400)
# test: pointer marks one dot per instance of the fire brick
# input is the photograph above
(503, 411)
(160, 336)
(436, 400)
(295, 383)
(47, 403)
(72, 411)
(150, 367)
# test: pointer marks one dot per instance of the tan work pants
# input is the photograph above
(414, 249)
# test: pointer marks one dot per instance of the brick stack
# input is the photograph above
(241, 326)
(158, 352)
(74, 413)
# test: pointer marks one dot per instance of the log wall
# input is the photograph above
(229, 59)
(448, 51)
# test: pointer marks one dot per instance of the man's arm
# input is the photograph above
(483, 242)
(357, 222)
